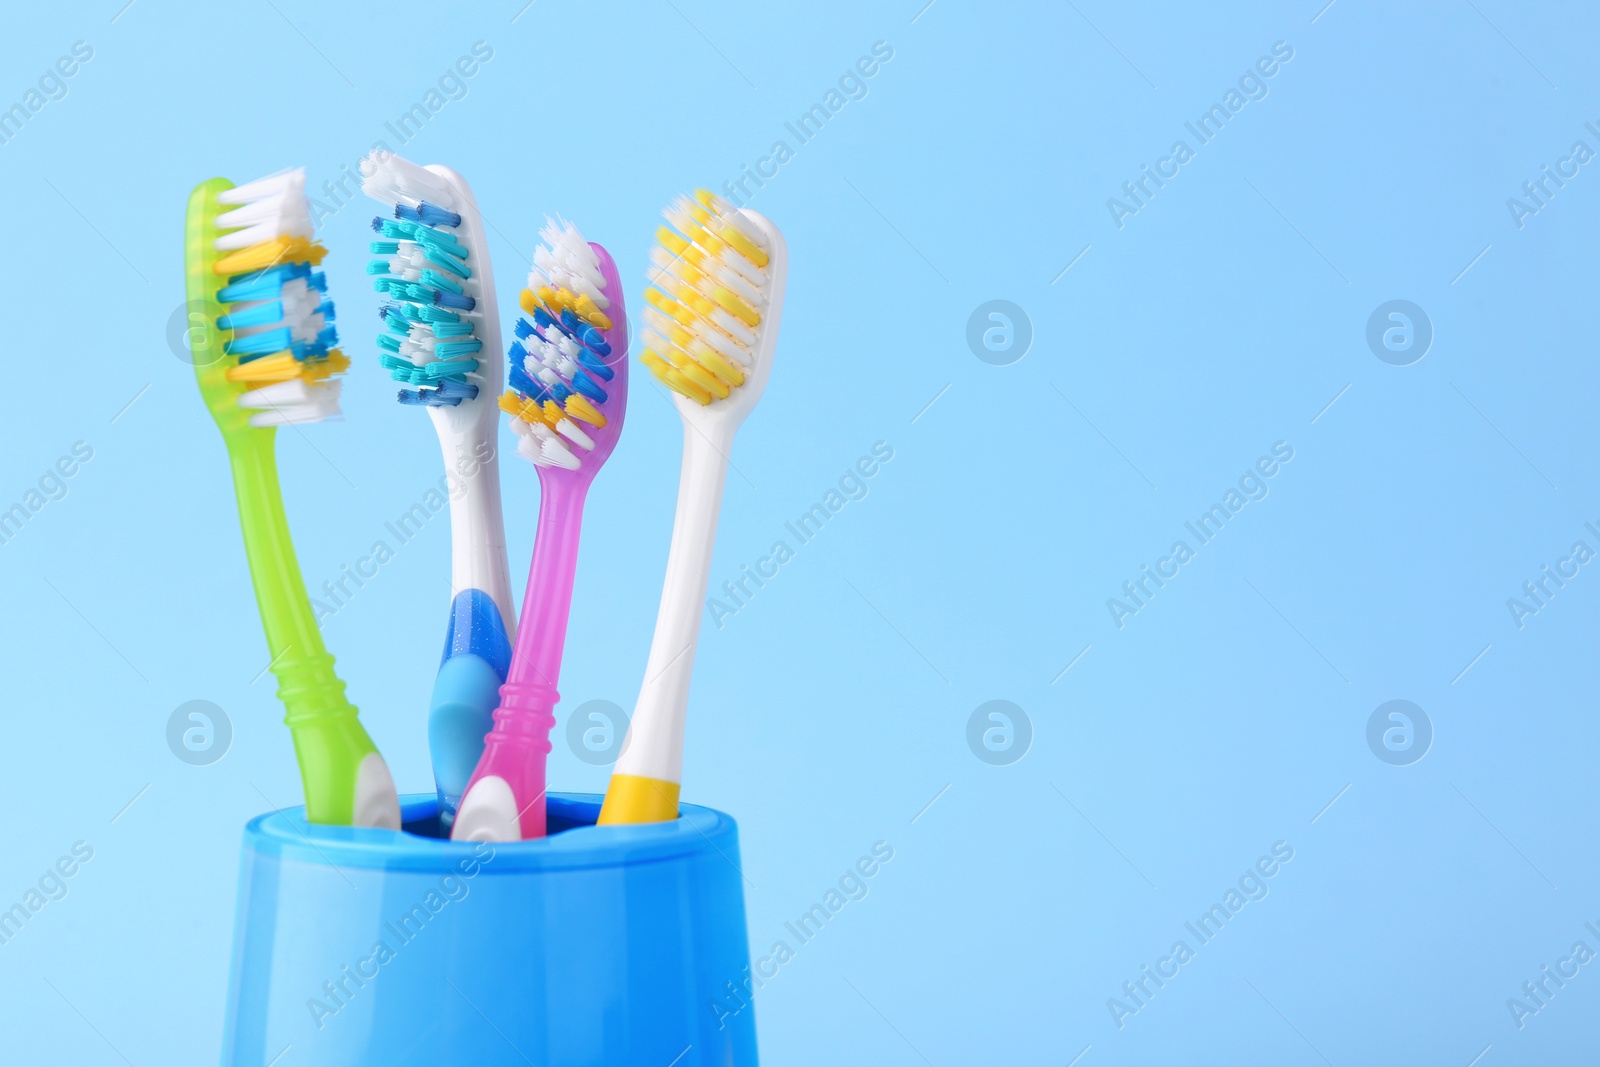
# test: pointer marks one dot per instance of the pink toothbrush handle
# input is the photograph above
(517, 747)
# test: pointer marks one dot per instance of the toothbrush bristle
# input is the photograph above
(560, 392)
(710, 287)
(279, 321)
(424, 267)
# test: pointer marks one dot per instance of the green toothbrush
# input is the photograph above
(261, 339)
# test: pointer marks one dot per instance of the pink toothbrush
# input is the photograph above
(569, 392)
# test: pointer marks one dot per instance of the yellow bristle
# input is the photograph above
(554, 299)
(584, 307)
(267, 369)
(698, 302)
(678, 335)
(742, 244)
(735, 307)
(335, 362)
(528, 301)
(671, 241)
(552, 413)
(580, 408)
(681, 268)
(526, 410)
(664, 303)
(270, 254)
(709, 358)
(684, 364)
(672, 379)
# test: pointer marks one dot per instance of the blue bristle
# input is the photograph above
(439, 216)
(524, 384)
(594, 365)
(440, 259)
(588, 387)
(435, 299)
(522, 328)
(427, 214)
(260, 285)
(451, 349)
(439, 281)
(259, 344)
(458, 390)
(260, 315)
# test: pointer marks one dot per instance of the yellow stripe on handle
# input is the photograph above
(633, 798)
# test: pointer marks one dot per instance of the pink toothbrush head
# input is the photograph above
(569, 366)
(568, 396)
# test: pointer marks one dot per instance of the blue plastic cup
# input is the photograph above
(598, 945)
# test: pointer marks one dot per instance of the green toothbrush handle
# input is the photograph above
(329, 741)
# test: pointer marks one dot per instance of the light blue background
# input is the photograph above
(1223, 317)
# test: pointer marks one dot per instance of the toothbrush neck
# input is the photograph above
(665, 692)
(542, 630)
(477, 528)
(299, 660)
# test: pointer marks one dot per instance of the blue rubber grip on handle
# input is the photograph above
(477, 654)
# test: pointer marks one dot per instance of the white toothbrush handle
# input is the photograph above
(477, 526)
(654, 747)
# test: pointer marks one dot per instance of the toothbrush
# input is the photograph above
(269, 363)
(433, 264)
(712, 326)
(568, 396)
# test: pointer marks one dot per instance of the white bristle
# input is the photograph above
(565, 259)
(267, 208)
(539, 444)
(717, 287)
(731, 215)
(571, 431)
(289, 181)
(395, 180)
(293, 401)
(259, 211)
